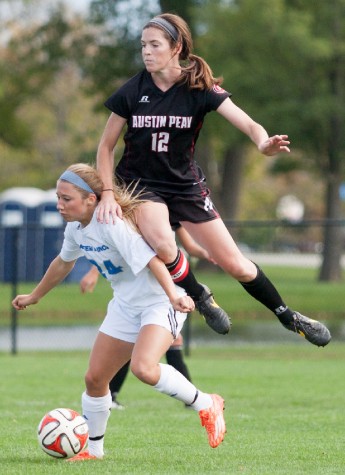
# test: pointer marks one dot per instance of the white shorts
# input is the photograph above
(125, 322)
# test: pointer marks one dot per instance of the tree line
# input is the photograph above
(283, 60)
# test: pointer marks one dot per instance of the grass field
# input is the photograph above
(284, 403)
(284, 414)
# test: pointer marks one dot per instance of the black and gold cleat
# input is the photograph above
(215, 317)
(312, 330)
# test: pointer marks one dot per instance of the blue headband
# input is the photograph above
(166, 25)
(76, 180)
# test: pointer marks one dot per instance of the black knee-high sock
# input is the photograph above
(182, 275)
(116, 383)
(174, 357)
(262, 289)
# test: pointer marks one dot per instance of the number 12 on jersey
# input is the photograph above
(160, 141)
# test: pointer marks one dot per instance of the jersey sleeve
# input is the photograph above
(130, 244)
(70, 250)
(215, 97)
(121, 101)
(118, 103)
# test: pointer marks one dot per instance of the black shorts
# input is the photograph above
(195, 208)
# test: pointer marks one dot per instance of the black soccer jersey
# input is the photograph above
(162, 130)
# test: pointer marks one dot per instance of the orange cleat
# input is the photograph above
(85, 455)
(213, 421)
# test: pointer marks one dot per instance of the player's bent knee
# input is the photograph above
(166, 251)
(242, 270)
(144, 373)
(92, 382)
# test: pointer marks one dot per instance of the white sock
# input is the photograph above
(174, 384)
(96, 411)
(203, 401)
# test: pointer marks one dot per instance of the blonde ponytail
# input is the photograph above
(127, 199)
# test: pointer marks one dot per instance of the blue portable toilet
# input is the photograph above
(18, 229)
(30, 221)
(50, 230)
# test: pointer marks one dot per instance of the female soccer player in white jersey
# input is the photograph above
(145, 315)
(174, 355)
(163, 108)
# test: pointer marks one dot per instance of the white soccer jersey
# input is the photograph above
(121, 255)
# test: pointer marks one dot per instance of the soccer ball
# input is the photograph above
(62, 433)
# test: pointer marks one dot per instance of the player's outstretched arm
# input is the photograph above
(108, 209)
(240, 119)
(56, 272)
(182, 304)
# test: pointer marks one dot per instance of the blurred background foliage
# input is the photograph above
(283, 61)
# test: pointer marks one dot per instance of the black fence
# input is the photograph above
(26, 249)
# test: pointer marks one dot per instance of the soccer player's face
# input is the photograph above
(156, 51)
(72, 205)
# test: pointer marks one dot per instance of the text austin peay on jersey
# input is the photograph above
(158, 121)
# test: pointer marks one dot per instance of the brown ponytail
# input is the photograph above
(196, 73)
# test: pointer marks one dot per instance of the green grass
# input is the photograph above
(298, 287)
(284, 413)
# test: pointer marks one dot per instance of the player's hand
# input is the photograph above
(22, 301)
(89, 281)
(183, 304)
(87, 284)
(108, 209)
(274, 145)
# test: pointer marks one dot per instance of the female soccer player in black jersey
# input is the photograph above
(163, 108)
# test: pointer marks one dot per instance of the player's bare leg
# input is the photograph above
(153, 222)
(152, 343)
(107, 357)
(216, 239)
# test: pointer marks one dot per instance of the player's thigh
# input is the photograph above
(152, 343)
(213, 236)
(217, 240)
(153, 222)
(108, 356)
